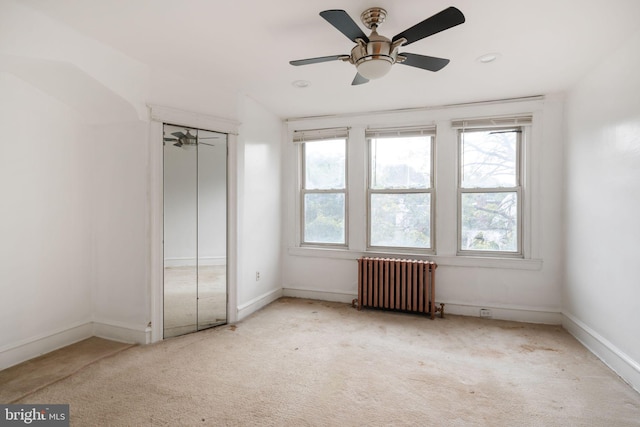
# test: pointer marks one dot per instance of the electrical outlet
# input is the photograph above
(257, 276)
(485, 312)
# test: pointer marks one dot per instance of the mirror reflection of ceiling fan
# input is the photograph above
(182, 139)
(187, 139)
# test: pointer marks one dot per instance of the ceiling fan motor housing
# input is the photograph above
(374, 59)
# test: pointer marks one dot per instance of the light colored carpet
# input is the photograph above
(310, 363)
(32, 375)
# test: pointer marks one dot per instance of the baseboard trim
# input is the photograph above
(121, 332)
(514, 313)
(319, 295)
(257, 303)
(501, 312)
(24, 350)
(623, 365)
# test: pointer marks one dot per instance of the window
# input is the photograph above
(323, 187)
(490, 192)
(400, 188)
(382, 191)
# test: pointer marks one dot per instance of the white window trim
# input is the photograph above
(484, 124)
(444, 177)
(300, 137)
(427, 130)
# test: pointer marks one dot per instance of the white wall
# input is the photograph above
(260, 207)
(209, 96)
(526, 290)
(602, 281)
(120, 215)
(45, 259)
(74, 177)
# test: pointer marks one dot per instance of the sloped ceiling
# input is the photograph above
(73, 87)
(545, 46)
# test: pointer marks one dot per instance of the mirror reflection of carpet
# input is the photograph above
(182, 296)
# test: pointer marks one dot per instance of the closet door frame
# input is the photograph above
(159, 116)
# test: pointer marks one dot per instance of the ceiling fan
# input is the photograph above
(183, 139)
(187, 140)
(373, 56)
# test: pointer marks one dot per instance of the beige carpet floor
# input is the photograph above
(21, 380)
(309, 363)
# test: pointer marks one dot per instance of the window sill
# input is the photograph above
(441, 260)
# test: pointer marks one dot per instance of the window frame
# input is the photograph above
(302, 191)
(520, 130)
(370, 135)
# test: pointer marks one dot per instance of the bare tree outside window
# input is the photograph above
(489, 194)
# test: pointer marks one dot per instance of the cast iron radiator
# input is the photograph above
(397, 284)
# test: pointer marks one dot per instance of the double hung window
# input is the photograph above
(323, 186)
(490, 188)
(400, 188)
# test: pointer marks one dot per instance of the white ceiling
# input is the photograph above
(246, 45)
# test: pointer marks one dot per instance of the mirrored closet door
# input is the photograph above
(195, 229)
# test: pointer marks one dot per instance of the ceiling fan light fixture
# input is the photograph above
(374, 67)
(375, 58)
